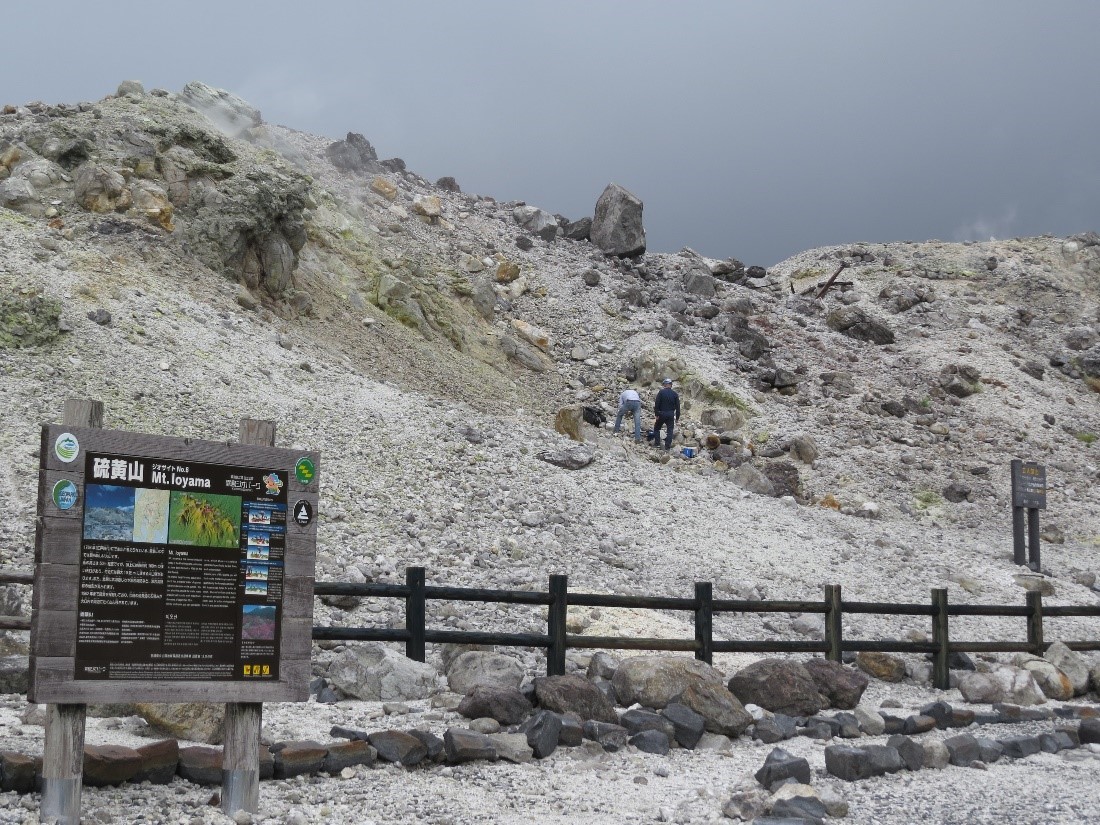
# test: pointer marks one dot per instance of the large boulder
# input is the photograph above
(533, 219)
(856, 322)
(617, 225)
(378, 674)
(1072, 664)
(483, 667)
(842, 686)
(505, 704)
(1054, 684)
(229, 113)
(574, 694)
(100, 188)
(355, 154)
(658, 681)
(778, 685)
(1003, 684)
(193, 721)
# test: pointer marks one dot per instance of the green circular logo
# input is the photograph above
(64, 494)
(66, 447)
(304, 470)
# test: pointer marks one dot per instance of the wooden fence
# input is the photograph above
(703, 606)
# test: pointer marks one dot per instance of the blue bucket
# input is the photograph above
(689, 452)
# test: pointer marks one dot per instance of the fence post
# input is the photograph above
(941, 678)
(834, 636)
(1035, 622)
(63, 750)
(414, 613)
(241, 753)
(704, 623)
(555, 625)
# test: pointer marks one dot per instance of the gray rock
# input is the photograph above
(512, 747)
(482, 667)
(579, 230)
(376, 673)
(610, 737)
(1089, 731)
(1019, 747)
(798, 801)
(936, 754)
(856, 322)
(348, 754)
(617, 223)
(533, 219)
(636, 720)
(1070, 663)
(963, 749)
(298, 758)
(432, 742)
(543, 732)
(780, 766)
(851, 764)
(231, 115)
(463, 745)
(14, 674)
(688, 725)
(574, 458)
(700, 282)
(602, 666)
(651, 741)
(989, 750)
(774, 729)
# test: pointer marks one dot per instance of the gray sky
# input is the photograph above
(751, 129)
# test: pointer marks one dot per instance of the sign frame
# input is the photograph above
(58, 538)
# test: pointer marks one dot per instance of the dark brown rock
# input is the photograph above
(159, 761)
(778, 685)
(574, 694)
(201, 765)
(505, 704)
(296, 758)
(110, 765)
(881, 665)
(398, 746)
(348, 754)
(17, 771)
(842, 686)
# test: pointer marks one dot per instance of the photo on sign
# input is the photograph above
(259, 538)
(256, 572)
(258, 516)
(205, 520)
(108, 512)
(255, 588)
(258, 622)
(257, 553)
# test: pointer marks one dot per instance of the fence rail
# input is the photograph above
(557, 598)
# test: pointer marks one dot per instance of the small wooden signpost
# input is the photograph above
(1029, 495)
(169, 570)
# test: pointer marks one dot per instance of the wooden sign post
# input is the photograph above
(169, 570)
(1029, 495)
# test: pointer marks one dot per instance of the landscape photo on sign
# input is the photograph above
(108, 512)
(258, 622)
(255, 588)
(205, 520)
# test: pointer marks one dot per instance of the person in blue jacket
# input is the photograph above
(666, 408)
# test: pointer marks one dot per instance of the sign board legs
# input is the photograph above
(63, 750)
(241, 755)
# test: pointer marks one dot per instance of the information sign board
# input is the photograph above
(1029, 485)
(172, 568)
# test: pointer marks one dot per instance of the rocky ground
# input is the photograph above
(189, 271)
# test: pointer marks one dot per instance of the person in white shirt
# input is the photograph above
(630, 402)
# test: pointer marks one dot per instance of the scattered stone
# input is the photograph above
(780, 766)
(778, 685)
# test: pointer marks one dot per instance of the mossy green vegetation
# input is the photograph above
(28, 321)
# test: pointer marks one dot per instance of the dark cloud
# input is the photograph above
(754, 130)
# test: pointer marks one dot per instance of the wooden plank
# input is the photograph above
(46, 481)
(53, 682)
(59, 541)
(298, 563)
(185, 450)
(240, 762)
(55, 587)
(54, 633)
(298, 598)
(297, 638)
